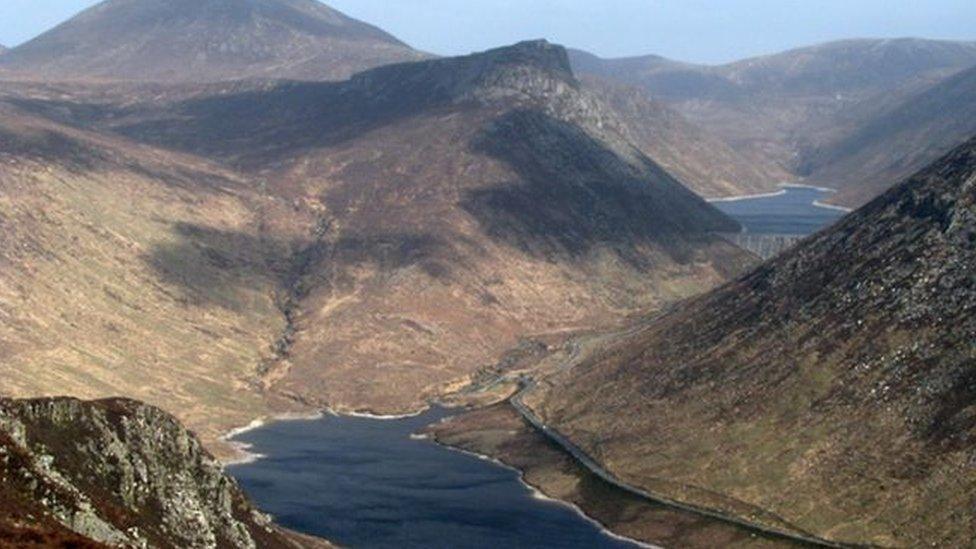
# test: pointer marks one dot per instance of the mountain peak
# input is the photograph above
(530, 71)
(206, 40)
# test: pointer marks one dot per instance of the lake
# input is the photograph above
(793, 211)
(366, 483)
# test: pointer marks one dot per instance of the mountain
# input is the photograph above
(119, 473)
(833, 386)
(206, 40)
(702, 161)
(779, 107)
(897, 141)
(363, 245)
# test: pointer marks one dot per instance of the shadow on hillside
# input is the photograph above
(574, 194)
(211, 267)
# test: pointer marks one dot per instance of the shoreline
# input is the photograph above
(785, 186)
(243, 449)
(248, 457)
(537, 493)
(772, 194)
(245, 456)
(824, 205)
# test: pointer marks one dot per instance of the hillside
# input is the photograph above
(206, 40)
(833, 386)
(896, 142)
(125, 270)
(460, 204)
(367, 244)
(114, 473)
(775, 109)
(700, 160)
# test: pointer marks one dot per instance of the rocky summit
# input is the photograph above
(833, 386)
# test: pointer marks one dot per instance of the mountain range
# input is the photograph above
(242, 209)
(794, 108)
(362, 245)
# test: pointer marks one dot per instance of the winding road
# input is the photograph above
(528, 384)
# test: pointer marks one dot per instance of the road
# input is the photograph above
(528, 384)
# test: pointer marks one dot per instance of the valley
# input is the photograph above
(272, 277)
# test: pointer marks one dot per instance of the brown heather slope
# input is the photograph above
(206, 40)
(776, 109)
(833, 386)
(453, 206)
(899, 140)
(700, 160)
(119, 473)
(126, 270)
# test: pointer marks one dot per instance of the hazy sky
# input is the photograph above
(692, 30)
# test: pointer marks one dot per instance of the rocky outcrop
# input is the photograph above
(122, 473)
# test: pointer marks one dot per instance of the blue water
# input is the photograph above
(365, 483)
(791, 213)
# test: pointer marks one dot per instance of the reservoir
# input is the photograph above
(366, 483)
(795, 210)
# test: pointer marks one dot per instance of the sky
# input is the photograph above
(702, 31)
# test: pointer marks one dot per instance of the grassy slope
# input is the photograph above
(129, 271)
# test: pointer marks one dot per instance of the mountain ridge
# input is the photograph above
(785, 109)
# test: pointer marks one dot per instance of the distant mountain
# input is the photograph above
(779, 107)
(701, 160)
(833, 386)
(118, 473)
(207, 40)
(897, 141)
(417, 220)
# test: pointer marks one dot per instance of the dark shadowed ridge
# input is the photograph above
(833, 386)
(206, 40)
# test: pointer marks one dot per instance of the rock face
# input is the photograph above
(206, 40)
(833, 386)
(124, 474)
(782, 110)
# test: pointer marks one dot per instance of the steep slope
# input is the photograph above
(700, 160)
(457, 205)
(127, 270)
(775, 108)
(833, 386)
(206, 40)
(896, 142)
(117, 472)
